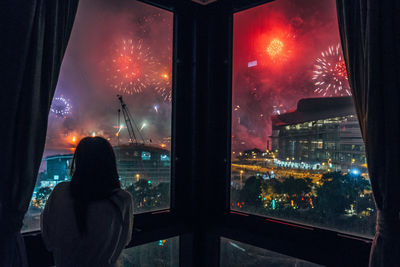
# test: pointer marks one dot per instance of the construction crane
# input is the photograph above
(128, 121)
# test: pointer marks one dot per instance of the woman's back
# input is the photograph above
(109, 225)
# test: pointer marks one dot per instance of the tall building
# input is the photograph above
(322, 133)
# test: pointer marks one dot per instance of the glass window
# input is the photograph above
(297, 151)
(146, 155)
(164, 158)
(234, 253)
(160, 253)
(125, 49)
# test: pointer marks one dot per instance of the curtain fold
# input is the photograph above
(371, 45)
(34, 36)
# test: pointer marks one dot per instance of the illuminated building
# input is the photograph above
(138, 161)
(134, 162)
(322, 133)
(57, 170)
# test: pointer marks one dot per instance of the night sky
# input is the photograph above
(88, 70)
(285, 38)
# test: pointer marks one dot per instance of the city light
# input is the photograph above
(252, 64)
(155, 107)
(355, 171)
(119, 130)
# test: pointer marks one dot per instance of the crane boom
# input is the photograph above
(128, 121)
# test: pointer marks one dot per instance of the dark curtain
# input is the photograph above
(370, 36)
(33, 39)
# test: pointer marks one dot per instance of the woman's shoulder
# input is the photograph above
(122, 198)
(61, 188)
(122, 193)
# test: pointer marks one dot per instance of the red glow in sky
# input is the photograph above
(275, 46)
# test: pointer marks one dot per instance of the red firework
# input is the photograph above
(330, 75)
(132, 67)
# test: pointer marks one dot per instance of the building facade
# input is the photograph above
(134, 162)
(322, 133)
(139, 161)
(57, 169)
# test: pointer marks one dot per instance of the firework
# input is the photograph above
(60, 107)
(275, 48)
(330, 76)
(132, 68)
(163, 85)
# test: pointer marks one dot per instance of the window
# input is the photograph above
(146, 155)
(160, 253)
(234, 253)
(296, 149)
(125, 49)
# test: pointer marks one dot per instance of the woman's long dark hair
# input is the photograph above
(94, 176)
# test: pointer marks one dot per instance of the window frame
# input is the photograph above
(164, 223)
(200, 158)
(314, 244)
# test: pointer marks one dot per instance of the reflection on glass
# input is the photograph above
(115, 49)
(297, 150)
(161, 253)
(235, 254)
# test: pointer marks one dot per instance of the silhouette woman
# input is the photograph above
(88, 221)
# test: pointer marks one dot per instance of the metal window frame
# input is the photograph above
(200, 158)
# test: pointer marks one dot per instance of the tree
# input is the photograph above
(338, 192)
(251, 192)
(292, 186)
(41, 196)
(162, 195)
(143, 195)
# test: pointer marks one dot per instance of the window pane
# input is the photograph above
(116, 48)
(161, 253)
(297, 150)
(234, 253)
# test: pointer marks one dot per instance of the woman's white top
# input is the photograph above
(109, 229)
